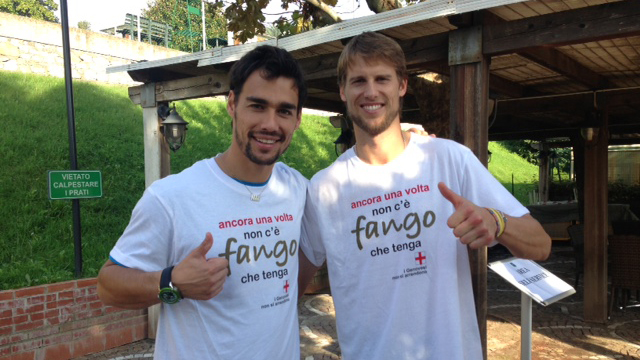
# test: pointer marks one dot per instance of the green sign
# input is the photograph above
(74, 184)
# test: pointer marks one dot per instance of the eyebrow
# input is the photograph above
(261, 101)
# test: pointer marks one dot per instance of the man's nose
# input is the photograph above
(270, 120)
(370, 89)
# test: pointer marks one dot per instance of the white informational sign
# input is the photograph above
(533, 280)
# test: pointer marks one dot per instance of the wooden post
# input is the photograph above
(596, 224)
(469, 126)
(543, 173)
(157, 164)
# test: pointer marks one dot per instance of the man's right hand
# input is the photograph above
(200, 278)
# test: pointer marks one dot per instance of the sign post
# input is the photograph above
(74, 185)
(525, 326)
(535, 282)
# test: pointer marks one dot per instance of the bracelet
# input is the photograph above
(501, 220)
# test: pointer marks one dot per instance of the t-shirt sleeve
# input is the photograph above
(310, 238)
(146, 242)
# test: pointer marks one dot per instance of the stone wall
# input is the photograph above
(63, 320)
(35, 46)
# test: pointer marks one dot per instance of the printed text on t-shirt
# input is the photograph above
(258, 220)
(390, 196)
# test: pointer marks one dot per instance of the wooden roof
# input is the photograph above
(555, 64)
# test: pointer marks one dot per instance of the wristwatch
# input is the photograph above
(169, 294)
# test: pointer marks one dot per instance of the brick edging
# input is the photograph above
(64, 320)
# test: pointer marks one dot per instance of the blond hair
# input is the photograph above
(372, 47)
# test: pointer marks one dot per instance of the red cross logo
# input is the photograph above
(420, 258)
(286, 286)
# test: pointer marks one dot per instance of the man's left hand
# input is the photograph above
(473, 225)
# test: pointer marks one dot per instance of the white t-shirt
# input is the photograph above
(255, 315)
(400, 279)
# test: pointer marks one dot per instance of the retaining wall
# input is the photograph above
(35, 46)
(62, 321)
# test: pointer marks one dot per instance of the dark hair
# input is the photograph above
(273, 62)
(372, 47)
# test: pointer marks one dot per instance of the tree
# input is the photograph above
(187, 26)
(84, 25)
(37, 9)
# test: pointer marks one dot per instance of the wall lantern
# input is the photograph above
(173, 126)
(590, 134)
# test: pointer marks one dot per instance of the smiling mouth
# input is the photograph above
(267, 138)
(372, 107)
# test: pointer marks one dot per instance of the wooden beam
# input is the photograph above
(157, 164)
(320, 67)
(469, 126)
(555, 60)
(564, 65)
(182, 89)
(543, 173)
(596, 226)
(569, 103)
(606, 21)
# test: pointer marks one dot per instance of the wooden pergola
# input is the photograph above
(556, 69)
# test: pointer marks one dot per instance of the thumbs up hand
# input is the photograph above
(473, 225)
(198, 277)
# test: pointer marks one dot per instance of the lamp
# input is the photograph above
(173, 126)
(590, 134)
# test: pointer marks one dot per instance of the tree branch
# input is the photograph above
(327, 9)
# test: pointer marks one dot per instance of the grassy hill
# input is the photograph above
(36, 236)
(514, 172)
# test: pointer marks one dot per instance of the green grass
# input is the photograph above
(36, 236)
(505, 166)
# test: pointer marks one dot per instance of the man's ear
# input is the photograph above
(403, 86)
(342, 96)
(231, 103)
(298, 121)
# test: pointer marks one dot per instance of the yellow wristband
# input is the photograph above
(501, 221)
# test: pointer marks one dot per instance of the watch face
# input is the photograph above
(169, 296)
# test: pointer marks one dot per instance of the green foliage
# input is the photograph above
(36, 236)
(187, 27)
(506, 165)
(37, 9)
(84, 25)
(560, 157)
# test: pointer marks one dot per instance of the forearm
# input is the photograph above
(128, 288)
(525, 238)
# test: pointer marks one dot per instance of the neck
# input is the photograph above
(236, 165)
(382, 148)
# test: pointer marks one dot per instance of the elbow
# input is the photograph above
(543, 250)
(105, 296)
(545, 247)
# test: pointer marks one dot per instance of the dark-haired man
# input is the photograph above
(251, 205)
(393, 217)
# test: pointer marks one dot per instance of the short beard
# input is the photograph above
(376, 129)
(248, 151)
